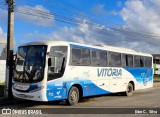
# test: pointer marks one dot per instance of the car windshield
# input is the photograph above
(30, 63)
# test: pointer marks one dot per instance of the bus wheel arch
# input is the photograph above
(132, 85)
(80, 90)
(129, 89)
(75, 91)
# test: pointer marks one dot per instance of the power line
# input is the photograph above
(64, 21)
(36, 4)
(65, 18)
(52, 14)
(78, 14)
(60, 20)
(117, 26)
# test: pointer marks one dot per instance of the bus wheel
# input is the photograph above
(129, 90)
(73, 96)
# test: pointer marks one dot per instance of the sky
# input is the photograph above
(133, 24)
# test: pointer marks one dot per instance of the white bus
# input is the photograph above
(58, 70)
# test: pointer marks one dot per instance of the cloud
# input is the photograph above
(100, 9)
(142, 15)
(38, 15)
(86, 32)
(95, 34)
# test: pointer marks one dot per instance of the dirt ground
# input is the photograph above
(156, 84)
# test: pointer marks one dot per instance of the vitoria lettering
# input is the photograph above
(102, 72)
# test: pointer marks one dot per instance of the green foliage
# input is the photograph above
(2, 84)
(156, 78)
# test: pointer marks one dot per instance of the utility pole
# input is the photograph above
(9, 62)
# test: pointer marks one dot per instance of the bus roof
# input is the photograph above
(100, 47)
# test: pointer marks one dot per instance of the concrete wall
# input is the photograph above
(2, 71)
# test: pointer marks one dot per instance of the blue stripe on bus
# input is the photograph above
(142, 75)
(61, 92)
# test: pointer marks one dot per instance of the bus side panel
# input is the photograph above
(143, 77)
(97, 81)
(56, 90)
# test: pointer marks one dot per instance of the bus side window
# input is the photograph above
(114, 59)
(76, 56)
(130, 60)
(98, 58)
(103, 58)
(85, 57)
(95, 58)
(142, 61)
(80, 56)
(138, 61)
(124, 60)
(148, 62)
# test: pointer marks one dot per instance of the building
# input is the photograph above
(2, 71)
(3, 55)
(156, 61)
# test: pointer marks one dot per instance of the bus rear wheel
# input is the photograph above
(129, 90)
(73, 96)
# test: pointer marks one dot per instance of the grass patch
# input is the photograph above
(156, 77)
(156, 80)
(2, 84)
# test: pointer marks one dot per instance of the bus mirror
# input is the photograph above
(49, 62)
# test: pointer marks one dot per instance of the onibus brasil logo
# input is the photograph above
(8, 111)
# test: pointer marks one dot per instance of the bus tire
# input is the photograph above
(129, 90)
(73, 96)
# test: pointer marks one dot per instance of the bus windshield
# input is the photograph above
(30, 63)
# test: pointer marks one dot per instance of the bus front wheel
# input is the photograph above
(129, 90)
(73, 96)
